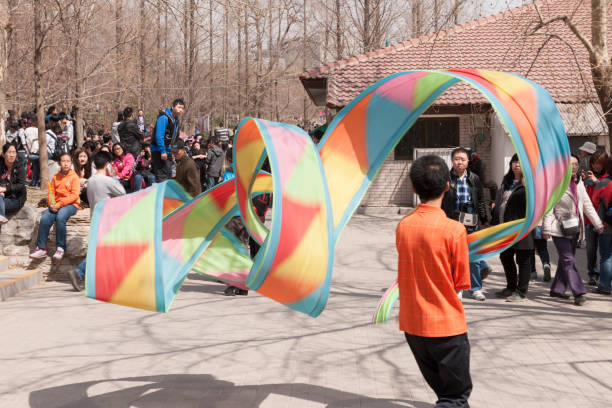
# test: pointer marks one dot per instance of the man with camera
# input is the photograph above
(464, 202)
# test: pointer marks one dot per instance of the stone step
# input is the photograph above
(4, 263)
(13, 281)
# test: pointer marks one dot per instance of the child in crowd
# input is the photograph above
(99, 187)
(433, 268)
(63, 203)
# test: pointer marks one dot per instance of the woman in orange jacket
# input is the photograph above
(63, 200)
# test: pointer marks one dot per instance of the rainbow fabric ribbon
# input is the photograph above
(143, 245)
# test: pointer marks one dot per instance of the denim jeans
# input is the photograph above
(9, 205)
(591, 250)
(35, 160)
(59, 218)
(80, 270)
(211, 182)
(150, 179)
(475, 278)
(605, 262)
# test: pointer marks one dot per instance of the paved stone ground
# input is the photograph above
(60, 349)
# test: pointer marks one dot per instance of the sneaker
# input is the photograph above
(485, 272)
(229, 291)
(478, 295)
(504, 293)
(38, 253)
(241, 292)
(592, 282)
(559, 295)
(516, 297)
(3, 220)
(600, 291)
(546, 277)
(59, 254)
(75, 280)
(579, 300)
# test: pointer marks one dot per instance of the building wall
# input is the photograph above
(391, 187)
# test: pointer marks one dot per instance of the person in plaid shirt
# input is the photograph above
(465, 195)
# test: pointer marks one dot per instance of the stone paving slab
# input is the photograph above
(60, 349)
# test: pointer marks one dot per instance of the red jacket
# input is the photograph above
(602, 194)
(590, 190)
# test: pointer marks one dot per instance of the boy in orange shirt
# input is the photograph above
(433, 268)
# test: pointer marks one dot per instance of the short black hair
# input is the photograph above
(51, 109)
(101, 159)
(120, 116)
(127, 112)
(106, 138)
(61, 115)
(460, 149)
(429, 176)
(178, 101)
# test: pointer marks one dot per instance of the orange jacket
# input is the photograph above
(65, 189)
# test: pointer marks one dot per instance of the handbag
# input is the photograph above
(468, 219)
(570, 226)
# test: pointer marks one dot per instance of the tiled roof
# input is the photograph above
(497, 42)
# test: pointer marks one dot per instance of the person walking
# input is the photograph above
(510, 204)
(464, 202)
(433, 266)
(565, 223)
(165, 133)
(597, 172)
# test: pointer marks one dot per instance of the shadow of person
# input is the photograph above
(198, 390)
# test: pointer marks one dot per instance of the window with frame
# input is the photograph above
(428, 133)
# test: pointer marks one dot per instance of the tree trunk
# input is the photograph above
(338, 32)
(4, 39)
(601, 65)
(366, 34)
(247, 111)
(118, 51)
(211, 63)
(141, 38)
(304, 48)
(225, 59)
(417, 19)
(239, 69)
(40, 108)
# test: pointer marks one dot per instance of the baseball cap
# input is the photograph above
(178, 145)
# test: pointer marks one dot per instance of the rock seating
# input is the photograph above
(18, 238)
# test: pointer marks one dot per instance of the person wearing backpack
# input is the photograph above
(54, 147)
(602, 201)
(565, 223)
(164, 134)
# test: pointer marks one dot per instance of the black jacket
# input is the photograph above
(450, 197)
(515, 209)
(15, 181)
(130, 136)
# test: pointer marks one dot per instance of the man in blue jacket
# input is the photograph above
(166, 131)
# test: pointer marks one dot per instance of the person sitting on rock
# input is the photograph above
(13, 191)
(63, 203)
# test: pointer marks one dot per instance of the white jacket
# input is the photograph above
(566, 205)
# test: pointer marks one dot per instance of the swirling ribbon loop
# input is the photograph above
(143, 245)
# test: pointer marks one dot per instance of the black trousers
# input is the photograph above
(162, 169)
(517, 282)
(445, 364)
(542, 249)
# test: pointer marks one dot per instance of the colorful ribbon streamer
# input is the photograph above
(143, 245)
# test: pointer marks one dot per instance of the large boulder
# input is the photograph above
(18, 238)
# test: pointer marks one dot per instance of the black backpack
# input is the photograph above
(169, 134)
(61, 147)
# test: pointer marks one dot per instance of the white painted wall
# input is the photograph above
(502, 150)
